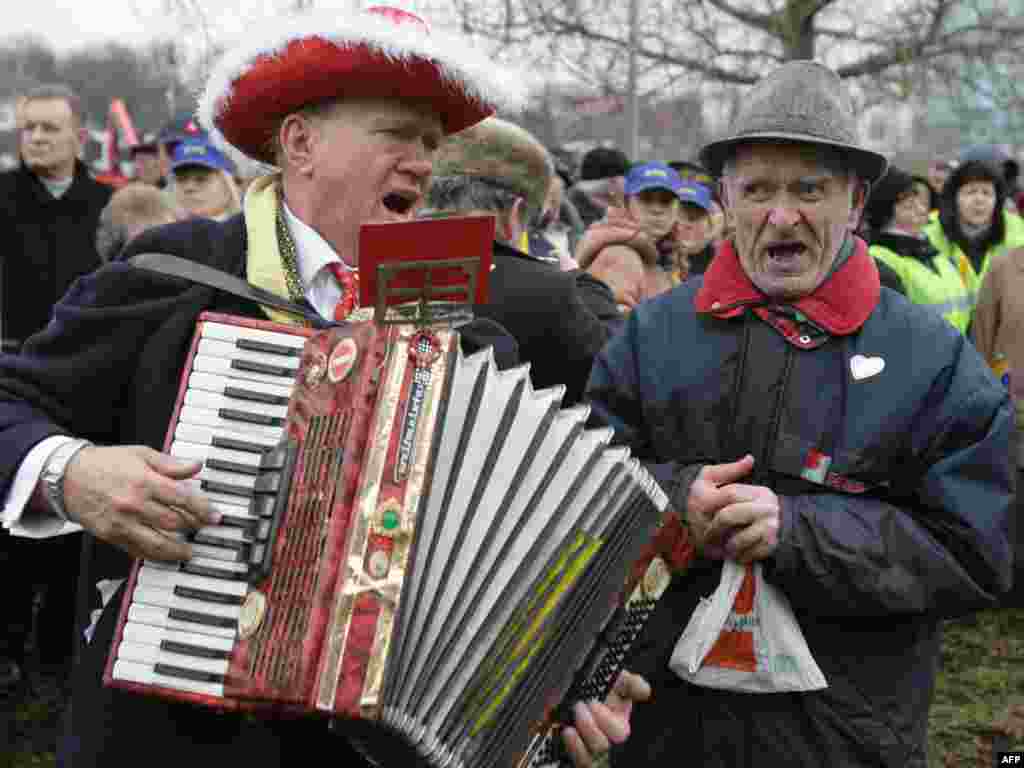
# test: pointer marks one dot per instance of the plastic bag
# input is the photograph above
(746, 638)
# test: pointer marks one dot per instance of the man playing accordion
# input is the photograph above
(349, 110)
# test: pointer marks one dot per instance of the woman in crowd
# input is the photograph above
(897, 214)
(203, 180)
(973, 225)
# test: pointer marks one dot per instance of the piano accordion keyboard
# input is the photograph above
(183, 618)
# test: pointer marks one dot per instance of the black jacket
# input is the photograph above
(542, 307)
(48, 242)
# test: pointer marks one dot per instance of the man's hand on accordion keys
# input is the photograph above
(135, 498)
(599, 725)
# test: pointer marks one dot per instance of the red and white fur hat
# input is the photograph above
(380, 52)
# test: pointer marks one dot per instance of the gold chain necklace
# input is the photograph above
(289, 261)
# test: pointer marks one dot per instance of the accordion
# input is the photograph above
(413, 543)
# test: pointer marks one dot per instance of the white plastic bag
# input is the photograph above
(746, 638)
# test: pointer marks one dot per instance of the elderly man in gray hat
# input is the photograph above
(851, 445)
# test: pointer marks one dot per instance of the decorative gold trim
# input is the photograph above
(362, 519)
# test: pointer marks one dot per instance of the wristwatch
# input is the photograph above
(53, 475)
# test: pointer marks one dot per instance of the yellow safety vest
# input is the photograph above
(938, 286)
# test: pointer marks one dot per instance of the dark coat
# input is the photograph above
(542, 308)
(48, 242)
(871, 574)
(108, 369)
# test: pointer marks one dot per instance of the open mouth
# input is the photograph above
(400, 203)
(785, 251)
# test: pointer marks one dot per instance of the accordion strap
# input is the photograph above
(202, 274)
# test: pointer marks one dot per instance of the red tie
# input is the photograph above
(348, 279)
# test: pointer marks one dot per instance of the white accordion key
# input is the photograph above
(236, 333)
(216, 401)
(186, 450)
(149, 635)
(227, 350)
(174, 618)
(226, 438)
(236, 369)
(210, 418)
(247, 390)
(149, 654)
(153, 574)
(133, 672)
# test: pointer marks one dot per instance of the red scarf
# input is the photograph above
(840, 305)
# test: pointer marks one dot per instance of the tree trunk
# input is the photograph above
(798, 29)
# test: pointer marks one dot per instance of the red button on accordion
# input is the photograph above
(413, 543)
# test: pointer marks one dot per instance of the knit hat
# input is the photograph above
(603, 163)
(879, 209)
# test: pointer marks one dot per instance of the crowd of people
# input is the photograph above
(813, 350)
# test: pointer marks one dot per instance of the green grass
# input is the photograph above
(982, 674)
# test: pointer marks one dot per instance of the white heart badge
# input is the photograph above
(865, 367)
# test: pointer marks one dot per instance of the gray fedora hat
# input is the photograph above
(801, 101)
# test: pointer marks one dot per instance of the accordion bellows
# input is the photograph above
(418, 545)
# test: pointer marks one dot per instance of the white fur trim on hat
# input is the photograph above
(476, 74)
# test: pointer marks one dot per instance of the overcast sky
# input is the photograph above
(70, 24)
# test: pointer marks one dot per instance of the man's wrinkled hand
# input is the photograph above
(747, 529)
(599, 725)
(137, 499)
(712, 491)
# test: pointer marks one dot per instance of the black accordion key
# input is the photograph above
(252, 345)
(254, 397)
(170, 646)
(207, 596)
(169, 670)
(194, 617)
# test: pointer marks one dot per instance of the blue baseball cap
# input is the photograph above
(695, 194)
(651, 176)
(202, 153)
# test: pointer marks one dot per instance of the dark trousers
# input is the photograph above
(30, 565)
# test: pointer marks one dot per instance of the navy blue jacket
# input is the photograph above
(919, 534)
